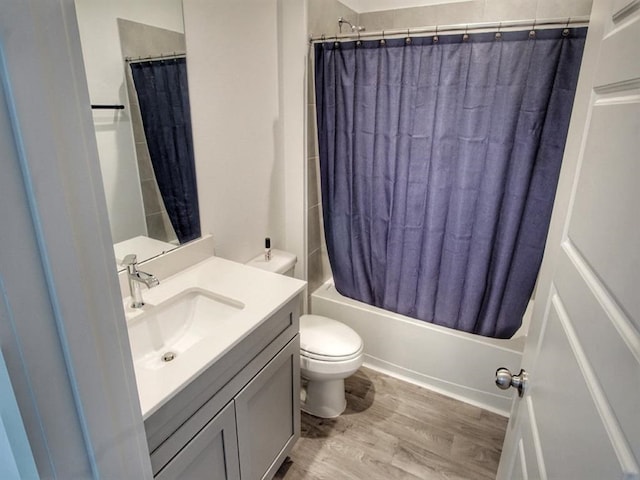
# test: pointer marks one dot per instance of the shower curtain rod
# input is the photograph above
(458, 28)
(152, 58)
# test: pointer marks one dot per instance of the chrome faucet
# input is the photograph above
(137, 277)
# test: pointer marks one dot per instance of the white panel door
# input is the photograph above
(580, 414)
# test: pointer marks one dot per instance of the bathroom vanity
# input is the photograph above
(219, 391)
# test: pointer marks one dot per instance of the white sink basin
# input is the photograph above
(163, 332)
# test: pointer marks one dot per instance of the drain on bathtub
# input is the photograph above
(167, 357)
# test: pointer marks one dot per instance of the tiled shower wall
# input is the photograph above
(322, 18)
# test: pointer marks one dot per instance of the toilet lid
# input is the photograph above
(322, 336)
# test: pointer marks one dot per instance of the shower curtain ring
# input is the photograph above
(435, 37)
(408, 39)
(532, 33)
(383, 41)
(499, 33)
(466, 34)
(359, 42)
(565, 32)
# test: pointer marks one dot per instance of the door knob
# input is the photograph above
(505, 379)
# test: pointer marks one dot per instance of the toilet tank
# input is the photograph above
(281, 262)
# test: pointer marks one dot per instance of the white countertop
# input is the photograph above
(261, 292)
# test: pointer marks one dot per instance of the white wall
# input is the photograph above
(105, 77)
(243, 82)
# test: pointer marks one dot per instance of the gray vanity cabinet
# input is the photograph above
(268, 415)
(211, 454)
(241, 417)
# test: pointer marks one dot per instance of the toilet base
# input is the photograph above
(324, 399)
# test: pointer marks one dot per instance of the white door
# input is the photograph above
(580, 415)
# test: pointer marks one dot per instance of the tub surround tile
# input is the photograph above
(313, 178)
(467, 12)
(151, 197)
(312, 135)
(498, 10)
(326, 266)
(311, 91)
(159, 227)
(315, 234)
(136, 123)
(563, 8)
(145, 167)
(374, 21)
(141, 40)
(413, 17)
(318, 270)
(323, 16)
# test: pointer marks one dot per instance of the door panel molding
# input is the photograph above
(617, 317)
(618, 440)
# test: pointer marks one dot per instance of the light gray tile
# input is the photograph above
(145, 168)
(312, 134)
(464, 12)
(151, 197)
(142, 40)
(156, 226)
(326, 266)
(159, 227)
(323, 16)
(313, 181)
(384, 20)
(131, 89)
(319, 270)
(314, 229)
(171, 236)
(499, 10)
(137, 125)
(563, 8)
(311, 87)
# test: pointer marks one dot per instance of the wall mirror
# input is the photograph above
(135, 62)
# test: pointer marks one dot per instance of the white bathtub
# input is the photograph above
(457, 364)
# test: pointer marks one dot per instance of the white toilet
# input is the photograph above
(330, 351)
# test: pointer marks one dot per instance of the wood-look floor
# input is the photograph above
(396, 430)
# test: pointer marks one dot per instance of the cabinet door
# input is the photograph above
(212, 454)
(268, 414)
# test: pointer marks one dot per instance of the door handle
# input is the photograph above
(505, 379)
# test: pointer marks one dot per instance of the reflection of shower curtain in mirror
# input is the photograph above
(163, 95)
(439, 163)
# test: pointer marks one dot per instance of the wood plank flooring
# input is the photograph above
(396, 430)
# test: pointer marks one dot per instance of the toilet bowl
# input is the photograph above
(330, 351)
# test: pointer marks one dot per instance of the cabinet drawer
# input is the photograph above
(212, 454)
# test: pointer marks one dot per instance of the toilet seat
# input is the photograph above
(327, 358)
(328, 340)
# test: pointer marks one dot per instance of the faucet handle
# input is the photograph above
(130, 259)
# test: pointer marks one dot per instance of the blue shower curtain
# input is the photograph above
(163, 95)
(439, 163)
